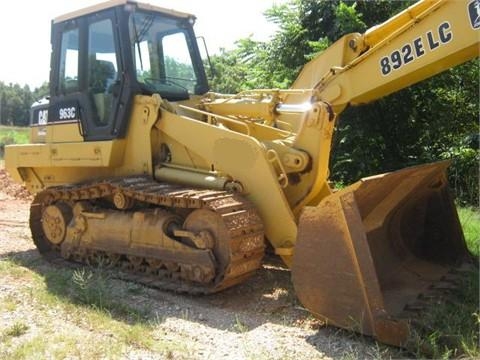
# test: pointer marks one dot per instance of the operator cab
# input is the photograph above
(106, 54)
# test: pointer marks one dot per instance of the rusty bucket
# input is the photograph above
(366, 254)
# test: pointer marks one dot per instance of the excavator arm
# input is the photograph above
(427, 38)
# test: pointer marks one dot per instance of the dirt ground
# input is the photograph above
(260, 319)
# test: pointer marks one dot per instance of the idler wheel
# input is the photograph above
(204, 220)
(55, 219)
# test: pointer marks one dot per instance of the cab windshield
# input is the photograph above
(163, 53)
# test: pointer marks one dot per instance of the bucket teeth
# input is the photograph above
(451, 278)
(465, 268)
(437, 293)
(416, 306)
(430, 297)
(444, 286)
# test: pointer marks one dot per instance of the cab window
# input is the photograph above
(102, 68)
(68, 72)
(164, 56)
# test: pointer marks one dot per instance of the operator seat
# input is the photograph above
(102, 76)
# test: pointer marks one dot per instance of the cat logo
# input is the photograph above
(42, 117)
(474, 13)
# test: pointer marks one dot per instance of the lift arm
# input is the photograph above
(425, 39)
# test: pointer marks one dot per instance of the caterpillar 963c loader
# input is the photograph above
(136, 164)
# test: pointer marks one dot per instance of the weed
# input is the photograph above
(89, 299)
(185, 314)
(138, 335)
(90, 290)
(450, 329)
(157, 320)
(9, 305)
(97, 290)
(239, 326)
(31, 349)
(9, 267)
(135, 289)
(16, 330)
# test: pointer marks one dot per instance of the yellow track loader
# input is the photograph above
(135, 164)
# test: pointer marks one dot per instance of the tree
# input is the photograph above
(15, 102)
(41, 92)
(3, 102)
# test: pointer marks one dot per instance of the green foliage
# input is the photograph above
(249, 66)
(424, 123)
(16, 330)
(347, 19)
(273, 64)
(95, 290)
(179, 73)
(306, 27)
(231, 68)
(41, 92)
(12, 135)
(470, 221)
(15, 102)
(450, 329)
(463, 173)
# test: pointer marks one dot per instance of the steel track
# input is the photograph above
(245, 228)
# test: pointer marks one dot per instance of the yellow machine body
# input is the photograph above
(359, 256)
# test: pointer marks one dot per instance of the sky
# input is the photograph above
(25, 30)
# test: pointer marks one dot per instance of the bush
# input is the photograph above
(6, 140)
(463, 174)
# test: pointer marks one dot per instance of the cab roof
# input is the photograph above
(113, 3)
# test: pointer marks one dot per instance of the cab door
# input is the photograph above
(87, 81)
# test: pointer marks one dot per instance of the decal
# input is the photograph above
(416, 48)
(42, 117)
(64, 111)
(68, 113)
(474, 13)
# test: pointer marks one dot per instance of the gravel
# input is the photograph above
(259, 319)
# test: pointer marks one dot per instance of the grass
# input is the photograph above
(51, 345)
(470, 220)
(239, 326)
(451, 328)
(99, 323)
(13, 135)
(17, 329)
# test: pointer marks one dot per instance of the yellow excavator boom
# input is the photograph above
(421, 41)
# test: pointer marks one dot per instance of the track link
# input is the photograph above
(245, 230)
